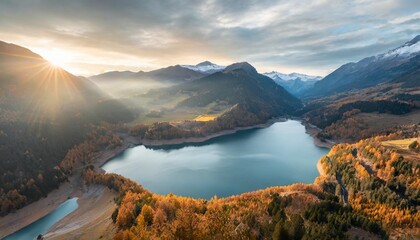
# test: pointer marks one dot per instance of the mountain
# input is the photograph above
(410, 78)
(370, 71)
(351, 112)
(238, 84)
(30, 83)
(44, 112)
(205, 67)
(295, 83)
(33, 87)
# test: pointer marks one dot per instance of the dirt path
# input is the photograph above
(343, 191)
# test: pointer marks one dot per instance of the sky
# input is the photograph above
(88, 37)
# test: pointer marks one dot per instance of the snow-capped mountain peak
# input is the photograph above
(291, 76)
(295, 83)
(205, 67)
(410, 48)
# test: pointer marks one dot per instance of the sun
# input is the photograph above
(56, 60)
(57, 57)
(55, 63)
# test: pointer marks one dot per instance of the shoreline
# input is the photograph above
(320, 169)
(87, 222)
(176, 141)
(31, 213)
(76, 188)
(312, 131)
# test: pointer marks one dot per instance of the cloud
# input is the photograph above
(313, 37)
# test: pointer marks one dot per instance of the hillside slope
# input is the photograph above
(370, 71)
(30, 83)
(44, 111)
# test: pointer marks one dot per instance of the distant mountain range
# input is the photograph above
(295, 83)
(239, 83)
(291, 76)
(126, 83)
(174, 74)
(386, 67)
(113, 75)
(399, 64)
(177, 73)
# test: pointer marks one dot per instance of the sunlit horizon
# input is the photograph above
(309, 37)
(85, 65)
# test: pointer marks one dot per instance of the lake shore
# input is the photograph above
(320, 169)
(157, 143)
(313, 130)
(76, 187)
(88, 222)
(36, 210)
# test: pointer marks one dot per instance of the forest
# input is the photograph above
(46, 161)
(322, 118)
(236, 116)
(381, 182)
(293, 212)
(339, 119)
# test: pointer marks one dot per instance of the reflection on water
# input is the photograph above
(220, 140)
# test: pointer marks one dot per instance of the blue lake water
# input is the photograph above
(245, 161)
(42, 225)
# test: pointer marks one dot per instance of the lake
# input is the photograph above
(245, 161)
(42, 225)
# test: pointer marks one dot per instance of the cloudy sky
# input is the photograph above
(310, 36)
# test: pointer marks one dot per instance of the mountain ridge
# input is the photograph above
(239, 83)
(369, 71)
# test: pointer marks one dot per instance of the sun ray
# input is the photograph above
(46, 86)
